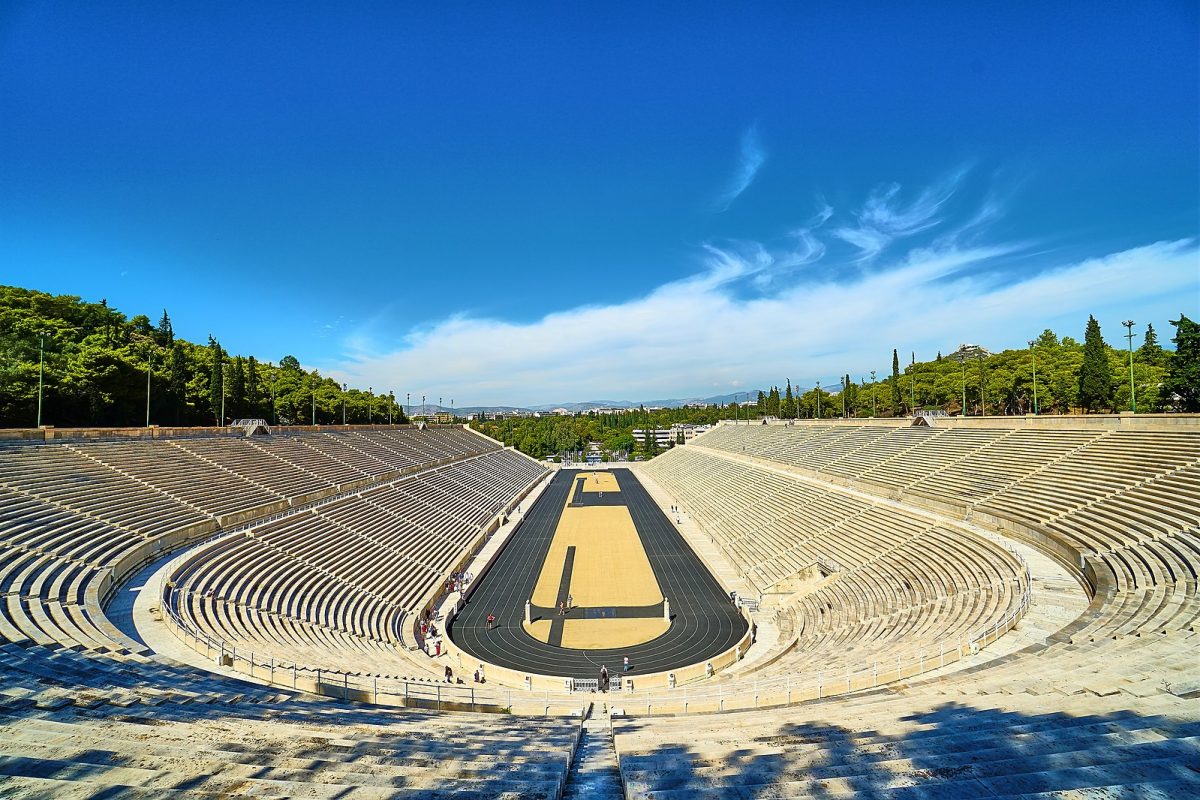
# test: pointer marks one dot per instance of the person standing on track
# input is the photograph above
(570, 602)
(491, 621)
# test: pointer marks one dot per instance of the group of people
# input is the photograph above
(566, 605)
(604, 679)
(479, 677)
(457, 581)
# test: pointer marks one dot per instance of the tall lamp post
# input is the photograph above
(41, 369)
(345, 387)
(149, 361)
(1129, 335)
(408, 404)
(274, 412)
(982, 390)
(1033, 352)
(314, 403)
(845, 383)
(370, 402)
(962, 360)
(818, 399)
(874, 407)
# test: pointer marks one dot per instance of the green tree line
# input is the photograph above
(1059, 375)
(542, 437)
(93, 364)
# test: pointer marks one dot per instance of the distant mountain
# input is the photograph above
(585, 406)
(675, 402)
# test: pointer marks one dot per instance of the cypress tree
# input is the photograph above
(237, 388)
(789, 404)
(253, 389)
(1095, 373)
(216, 383)
(1150, 352)
(897, 408)
(164, 334)
(177, 377)
(1183, 374)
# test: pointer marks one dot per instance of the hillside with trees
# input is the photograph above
(94, 364)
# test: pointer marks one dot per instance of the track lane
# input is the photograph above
(703, 621)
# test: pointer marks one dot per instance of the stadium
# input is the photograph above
(909, 607)
(594, 401)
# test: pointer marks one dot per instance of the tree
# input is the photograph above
(289, 363)
(895, 381)
(1096, 372)
(177, 380)
(1150, 352)
(164, 334)
(216, 384)
(237, 387)
(1183, 375)
(789, 403)
(253, 388)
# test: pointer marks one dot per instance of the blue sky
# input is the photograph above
(547, 203)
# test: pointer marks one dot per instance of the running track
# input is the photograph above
(703, 621)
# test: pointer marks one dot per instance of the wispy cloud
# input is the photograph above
(751, 156)
(886, 217)
(924, 277)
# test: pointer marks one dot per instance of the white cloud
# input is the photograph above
(696, 336)
(751, 156)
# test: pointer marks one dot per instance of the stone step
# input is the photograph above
(594, 774)
(1021, 773)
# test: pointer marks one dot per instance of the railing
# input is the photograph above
(697, 697)
(341, 685)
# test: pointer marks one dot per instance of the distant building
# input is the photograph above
(663, 436)
(967, 352)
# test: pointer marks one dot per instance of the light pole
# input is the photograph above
(962, 360)
(314, 404)
(818, 390)
(391, 402)
(1033, 352)
(149, 361)
(845, 383)
(274, 412)
(1129, 335)
(874, 408)
(41, 369)
(221, 424)
(408, 404)
(370, 402)
(423, 409)
(344, 389)
(982, 390)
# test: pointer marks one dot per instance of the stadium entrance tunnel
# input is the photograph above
(607, 577)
